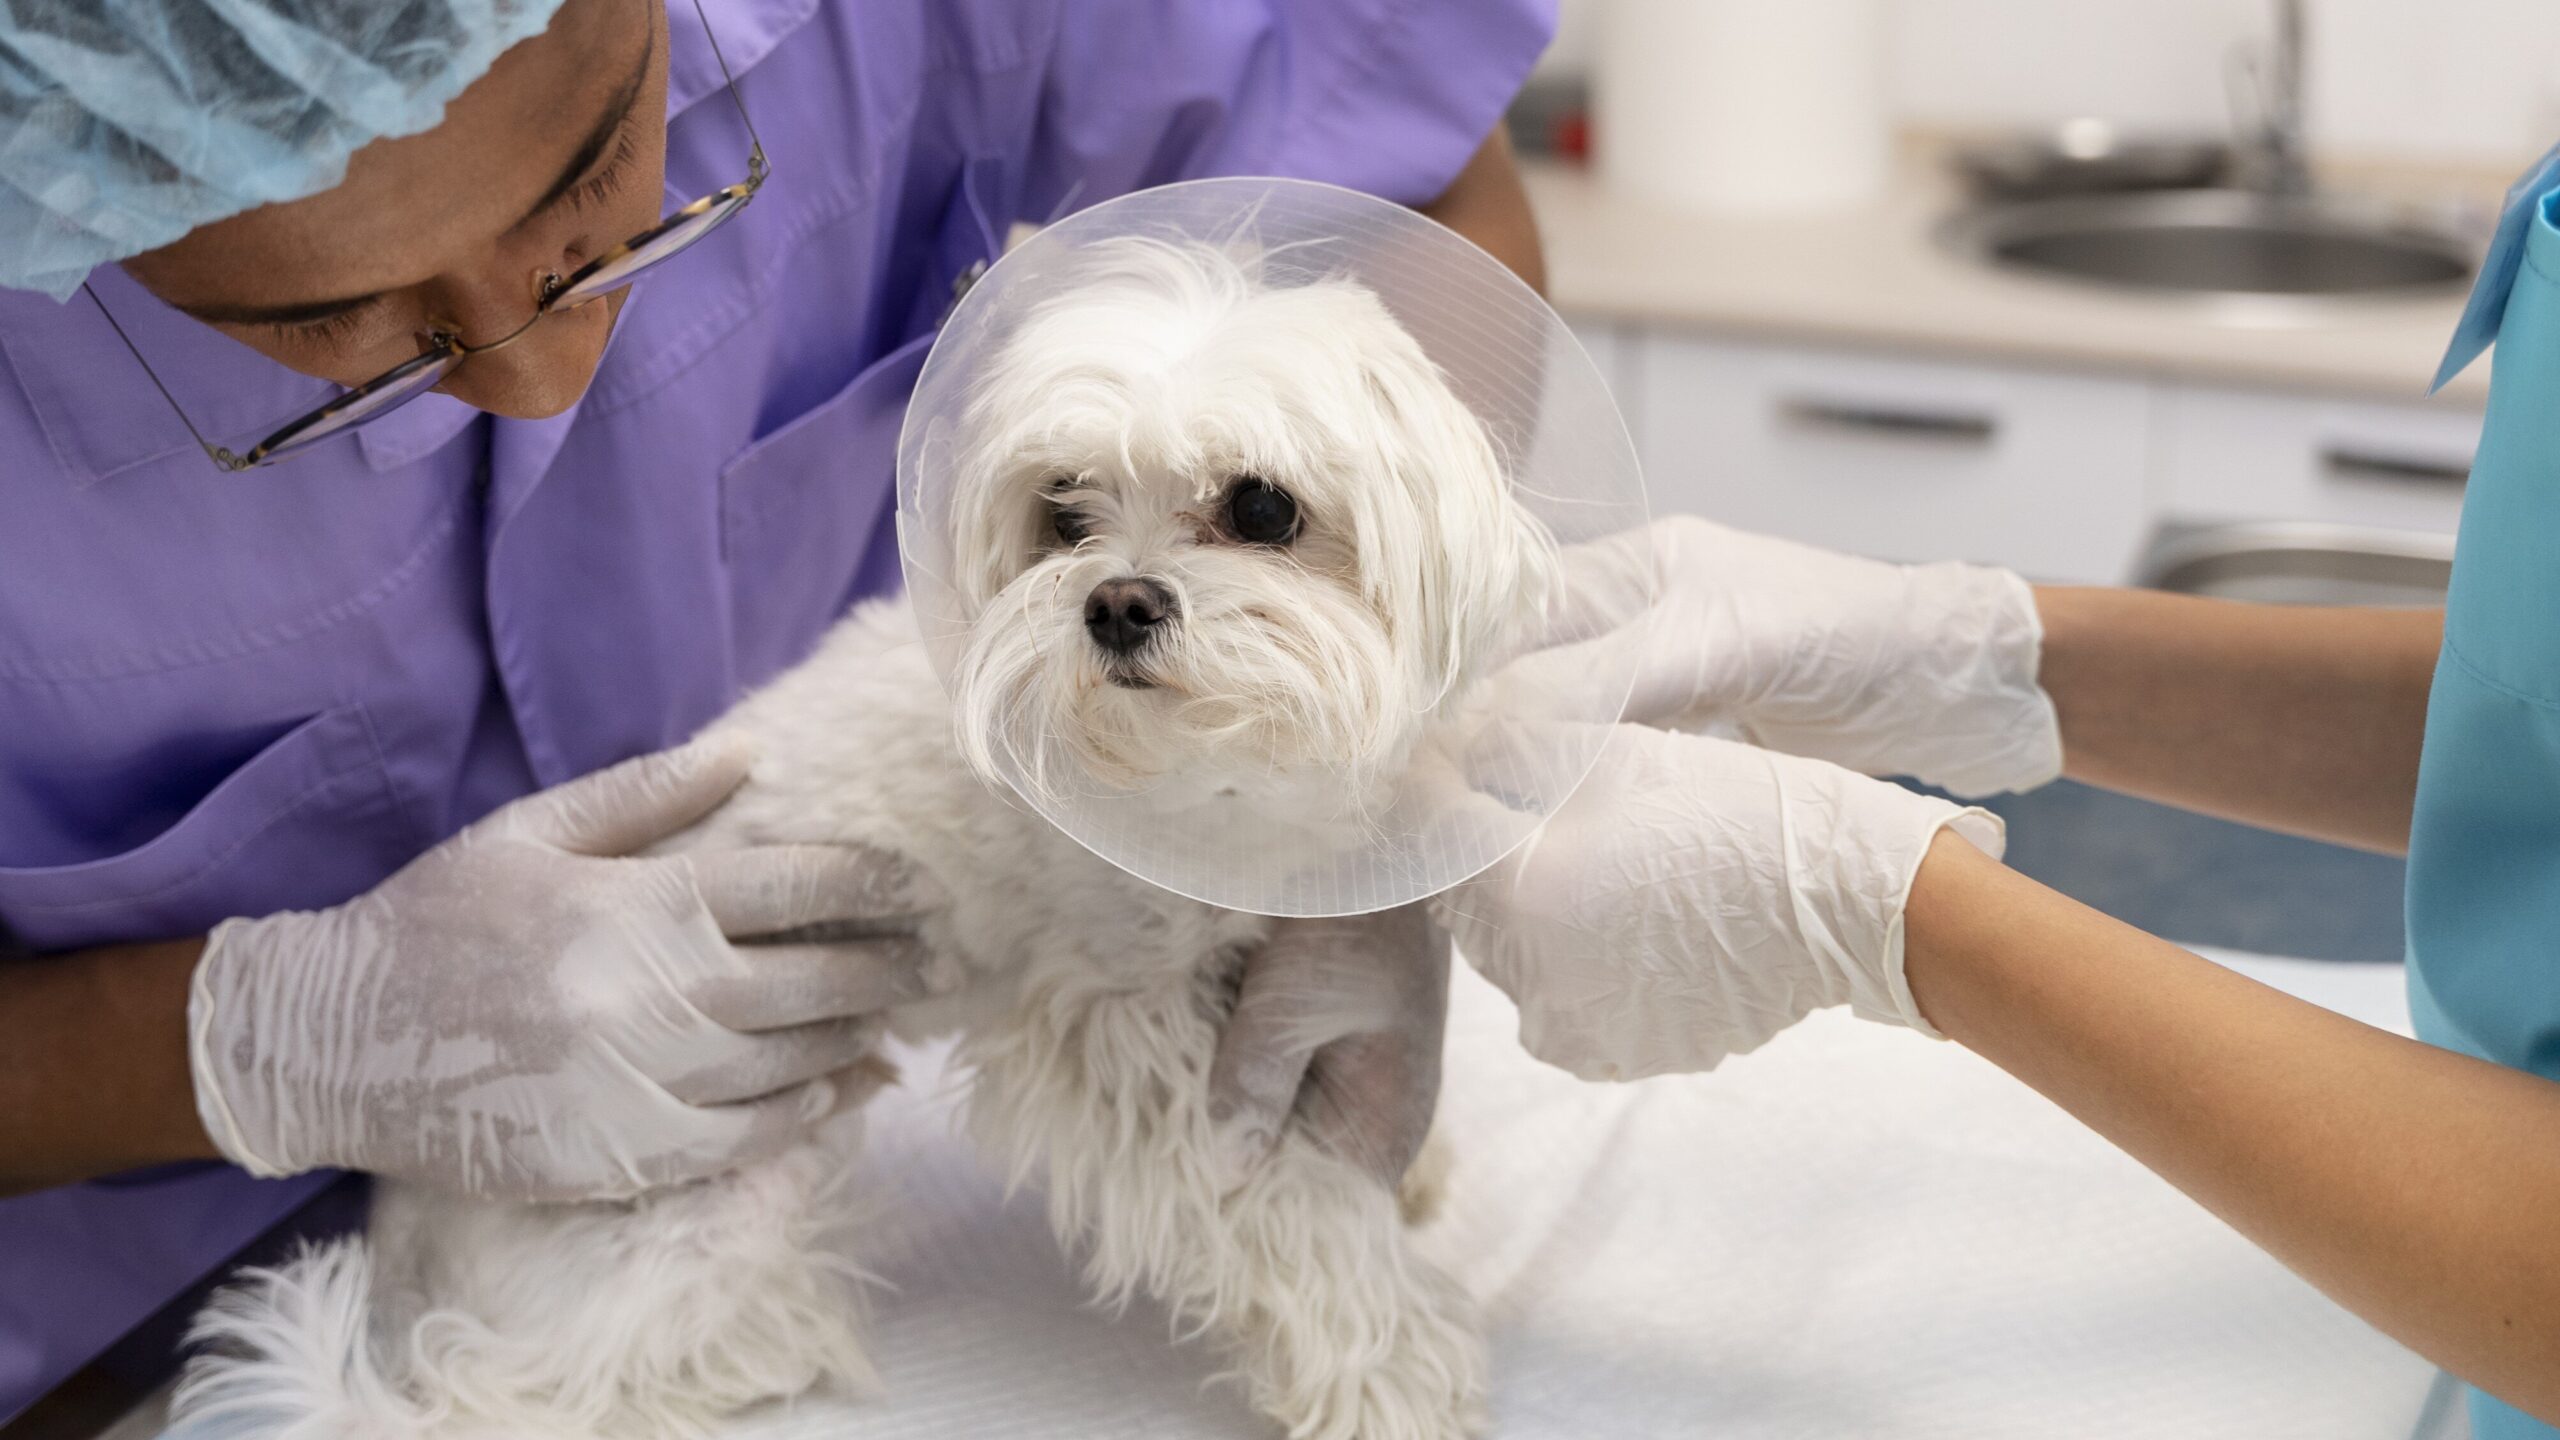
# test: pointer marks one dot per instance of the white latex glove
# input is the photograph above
(1920, 670)
(1338, 1028)
(527, 1012)
(1697, 896)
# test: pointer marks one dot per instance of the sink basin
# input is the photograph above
(2300, 563)
(2221, 242)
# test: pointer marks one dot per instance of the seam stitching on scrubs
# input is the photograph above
(35, 412)
(689, 347)
(2532, 259)
(1371, 56)
(681, 352)
(61, 431)
(2472, 669)
(750, 505)
(1496, 94)
(283, 811)
(250, 642)
(746, 46)
(225, 412)
(400, 803)
(1003, 50)
(695, 343)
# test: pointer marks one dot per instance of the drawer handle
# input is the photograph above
(1959, 427)
(2346, 464)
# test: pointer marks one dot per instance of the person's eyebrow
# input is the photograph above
(607, 126)
(305, 312)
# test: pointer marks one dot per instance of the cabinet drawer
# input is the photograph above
(1900, 459)
(2240, 455)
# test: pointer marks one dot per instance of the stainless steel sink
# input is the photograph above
(2300, 563)
(2221, 242)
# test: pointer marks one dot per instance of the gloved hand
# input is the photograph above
(527, 1012)
(1920, 670)
(1337, 1027)
(1697, 896)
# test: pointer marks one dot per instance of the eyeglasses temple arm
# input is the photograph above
(734, 98)
(219, 455)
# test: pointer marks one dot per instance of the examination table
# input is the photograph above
(1855, 1233)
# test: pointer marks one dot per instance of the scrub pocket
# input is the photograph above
(801, 508)
(806, 511)
(250, 846)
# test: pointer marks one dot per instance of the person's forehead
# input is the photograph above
(411, 206)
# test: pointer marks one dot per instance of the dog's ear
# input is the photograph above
(996, 515)
(1471, 567)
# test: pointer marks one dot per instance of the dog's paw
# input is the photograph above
(1423, 1378)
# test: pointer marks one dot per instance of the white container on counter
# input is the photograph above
(1743, 106)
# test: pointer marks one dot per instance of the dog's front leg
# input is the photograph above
(1339, 1331)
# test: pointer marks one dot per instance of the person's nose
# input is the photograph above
(485, 309)
(543, 371)
(1121, 615)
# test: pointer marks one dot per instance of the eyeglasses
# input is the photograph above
(445, 352)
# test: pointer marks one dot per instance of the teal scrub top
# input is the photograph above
(2484, 853)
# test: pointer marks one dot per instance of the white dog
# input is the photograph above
(1215, 534)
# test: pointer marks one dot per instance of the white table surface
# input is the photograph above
(1853, 1232)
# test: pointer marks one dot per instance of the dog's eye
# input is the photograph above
(1261, 513)
(1072, 525)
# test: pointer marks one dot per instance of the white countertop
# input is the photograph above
(1876, 277)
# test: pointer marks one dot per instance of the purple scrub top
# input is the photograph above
(230, 695)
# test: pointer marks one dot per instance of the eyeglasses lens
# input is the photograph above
(386, 395)
(664, 246)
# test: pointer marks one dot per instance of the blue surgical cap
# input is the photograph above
(124, 124)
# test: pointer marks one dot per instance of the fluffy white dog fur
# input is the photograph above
(1109, 441)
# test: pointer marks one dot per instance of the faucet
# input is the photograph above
(2275, 150)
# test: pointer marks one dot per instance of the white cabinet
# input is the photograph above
(1614, 353)
(2241, 455)
(1902, 459)
(1603, 342)
(2058, 474)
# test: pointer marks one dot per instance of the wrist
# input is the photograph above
(1855, 849)
(1975, 719)
(66, 1113)
(226, 1067)
(2023, 733)
(170, 1088)
(1945, 963)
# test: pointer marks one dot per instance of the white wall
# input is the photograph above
(2458, 80)
(2476, 77)
(2138, 62)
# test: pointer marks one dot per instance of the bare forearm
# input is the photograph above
(2419, 1188)
(96, 1077)
(2293, 718)
(1488, 204)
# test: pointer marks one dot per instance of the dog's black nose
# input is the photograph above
(1120, 614)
